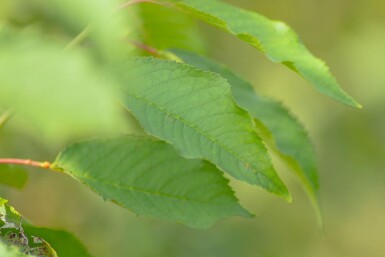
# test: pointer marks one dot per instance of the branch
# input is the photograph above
(26, 162)
(146, 48)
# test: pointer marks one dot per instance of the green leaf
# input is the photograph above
(164, 28)
(54, 93)
(148, 177)
(194, 111)
(2, 201)
(274, 38)
(12, 233)
(64, 243)
(9, 251)
(284, 133)
(14, 176)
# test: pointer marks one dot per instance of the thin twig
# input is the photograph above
(157, 53)
(146, 48)
(25, 162)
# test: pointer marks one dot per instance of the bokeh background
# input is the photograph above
(350, 36)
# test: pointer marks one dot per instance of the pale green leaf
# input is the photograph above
(274, 38)
(13, 235)
(56, 94)
(2, 201)
(148, 177)
(14, 176)
(195, 112)
(11, 251)
(163, 27)
(284, 132)
(104, 25)
(64, 243)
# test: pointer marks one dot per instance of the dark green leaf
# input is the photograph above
(274, 38)
(148, 177)
(194, 111)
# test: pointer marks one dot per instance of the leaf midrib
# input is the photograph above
(146, 191)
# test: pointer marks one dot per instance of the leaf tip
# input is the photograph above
(315, 201)
(244, 213)
(284, 193)
(287, 196)
(358, 106)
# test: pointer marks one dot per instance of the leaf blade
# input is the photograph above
(64, 243)
(148, 177)
(195, 112)
(13, 235)
(285, 134)
(274, 38)
(8, 251)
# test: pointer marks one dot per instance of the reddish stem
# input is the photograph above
(26, 162)
(146, 48)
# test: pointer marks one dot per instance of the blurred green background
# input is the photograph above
(350, 37)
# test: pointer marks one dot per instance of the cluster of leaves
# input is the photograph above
(200, 119)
